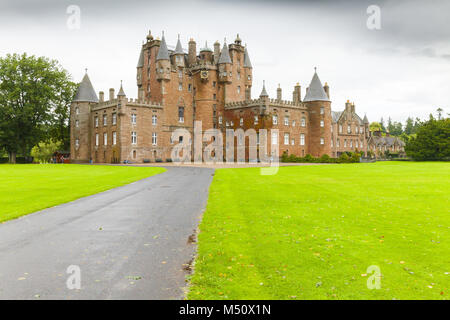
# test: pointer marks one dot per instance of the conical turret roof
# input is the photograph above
(315, 91)
(86, 92)
(365, 120)
(247, 63)
(264, 92)
(178, 48)
(141, 59)
(163, 52)
(121, 92)
(224, 55)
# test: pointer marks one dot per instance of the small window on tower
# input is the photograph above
(181, 114)
(239, 89)
(180, 86)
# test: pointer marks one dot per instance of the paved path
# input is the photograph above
(130, 242)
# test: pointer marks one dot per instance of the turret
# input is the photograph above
(206, 53)
(224, 63)
(163, 67)
(179, 54)
(139, 74)
(192, 54)
(248, 74)
(80, 121)
(319, 108)
(263, 95)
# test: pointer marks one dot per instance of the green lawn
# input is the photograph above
(311, 232)
(29, 188)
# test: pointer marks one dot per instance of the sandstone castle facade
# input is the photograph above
(178, 87)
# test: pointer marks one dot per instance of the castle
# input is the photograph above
(177, 88)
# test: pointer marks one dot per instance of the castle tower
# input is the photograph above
(179, 54)
(139, 76)
(248, 75)
(206, 53)
(80, 118)
(366, 127)
(163, 67)
(225, 69)
(319, 108)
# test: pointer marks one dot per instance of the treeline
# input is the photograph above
(35, 95)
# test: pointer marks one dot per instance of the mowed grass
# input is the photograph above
(311, 232)
(28, 188)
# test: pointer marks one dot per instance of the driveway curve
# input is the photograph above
(130, 242)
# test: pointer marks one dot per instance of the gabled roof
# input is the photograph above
(315, 91)
(178, 48)
(163, 53)
(224, 55)
(141, 59)
(335, 115)
(86, 92)
(247, 63)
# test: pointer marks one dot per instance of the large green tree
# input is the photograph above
(432, 141)
(35, 94)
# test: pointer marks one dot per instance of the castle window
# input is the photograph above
(286, 138)
(338, 142)
(322, 123)
(256, 120)
(356, 129)
(286, 121)
(340, 128)
(274, 138)
(133, 137)
(114, 138)
(345, 143)
(154, 119)
(214, 84)
(154, 138)
(96, 139)
(239, 75)
(302, 139)
(220, 119)
(105, 139)
(322, 141)
(77, 142)
(239, 89)
(322, 110)
(114, 118)
(180, 86)
(133, 118)
(77, 110)
(241, 122)
(351, 143)
(349, 129)
(105, 119)
(181, 114)
(180, 73)
(362, 129)
(293, 123)
(76, 123)
(274, 119)
(189, 87)
(230, 73)
(134, 154)
(292, 142)
(96, 122)
(249, 77)
(303, 123)
(332, 143)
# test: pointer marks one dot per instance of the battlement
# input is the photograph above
(129, 102)
(260, 101)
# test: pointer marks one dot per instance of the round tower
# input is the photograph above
(80, 121)
(319, 109)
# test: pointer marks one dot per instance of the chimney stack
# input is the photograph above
(192, 54)
(296, 95)
(279, 96)
(111, 94)
(101, 96)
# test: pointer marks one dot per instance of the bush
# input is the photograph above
(44, 151)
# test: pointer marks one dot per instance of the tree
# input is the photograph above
(432, 141)
(375, 126)
(439, 111)
(34, 96)
(383, 128)
(43, 151)
(409, 126)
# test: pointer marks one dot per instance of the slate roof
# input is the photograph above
(315, 91)
(141, 59)
(86, 92)
(163, 53)
(179, 48)
(264, 92)
(247, 63)
(335, 115)
(224, 55)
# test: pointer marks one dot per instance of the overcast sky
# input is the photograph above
(401, 70)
